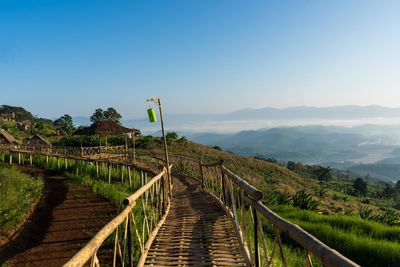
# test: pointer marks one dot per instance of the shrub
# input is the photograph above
(304, 201)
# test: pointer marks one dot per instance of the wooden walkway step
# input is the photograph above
(197, 232)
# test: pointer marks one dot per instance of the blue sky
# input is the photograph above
(214, 56)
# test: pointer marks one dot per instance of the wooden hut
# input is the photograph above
(7, 139)
(103, 128)
(38, 140)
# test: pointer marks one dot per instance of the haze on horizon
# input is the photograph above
(200, 57)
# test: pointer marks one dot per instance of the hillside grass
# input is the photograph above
(365, 242)
(18, 191)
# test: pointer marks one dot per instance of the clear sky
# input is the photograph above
(199, 56)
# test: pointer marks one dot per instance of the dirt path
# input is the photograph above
(66, 218)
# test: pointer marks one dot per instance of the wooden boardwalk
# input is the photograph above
(197, 232)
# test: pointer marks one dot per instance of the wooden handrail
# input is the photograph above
(215, 164)
(328, 256)
(253, 192)
(144, 188)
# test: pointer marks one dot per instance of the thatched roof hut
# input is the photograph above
(39, 141)
(104, 128)
(7, 139)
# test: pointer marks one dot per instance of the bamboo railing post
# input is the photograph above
(104, 170)
(201, 173)
(30, 159)
(223, 184)
(19, 157)
(58, 162)
(109, 172)
(129, 175)
(47, 160)
(256, 251)
(130, 241)
(65, 163)
(97, 169)
(122, 173)
(10, 158)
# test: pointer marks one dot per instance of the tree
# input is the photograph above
(389, 191)
(291, 165)
(324, 174)
(398, 186)
(360, 186)
(109, 114)
(98, 115)
(171, 136)
(65, 124)
(112, 114)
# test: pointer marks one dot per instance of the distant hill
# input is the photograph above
(19, 113)
(388, 172)
(309, 144)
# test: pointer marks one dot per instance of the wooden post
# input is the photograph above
(30, 159)
(97, 169)
(129, 230)
(201, 173)
(10, 158)
(129, 175)
(223, 184)
(19, 157)
(104, 171)
(158, 102)
(126, 148)
(122, 173)
(256, 252)
(58, 162)
(47, 160)
(66, 163)
(109, 172)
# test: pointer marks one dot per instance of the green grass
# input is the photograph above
(115, 192)
(365, 242)
(17, 193)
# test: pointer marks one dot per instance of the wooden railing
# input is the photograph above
(145, 212)
(242, 203)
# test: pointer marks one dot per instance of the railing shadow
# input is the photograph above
(201, 245)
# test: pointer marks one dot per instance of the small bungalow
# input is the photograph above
(38, 140)
(7, 139)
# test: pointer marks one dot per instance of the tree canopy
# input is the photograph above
(360, 186)
(19, 112)
(64, 123)
(109, 114)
